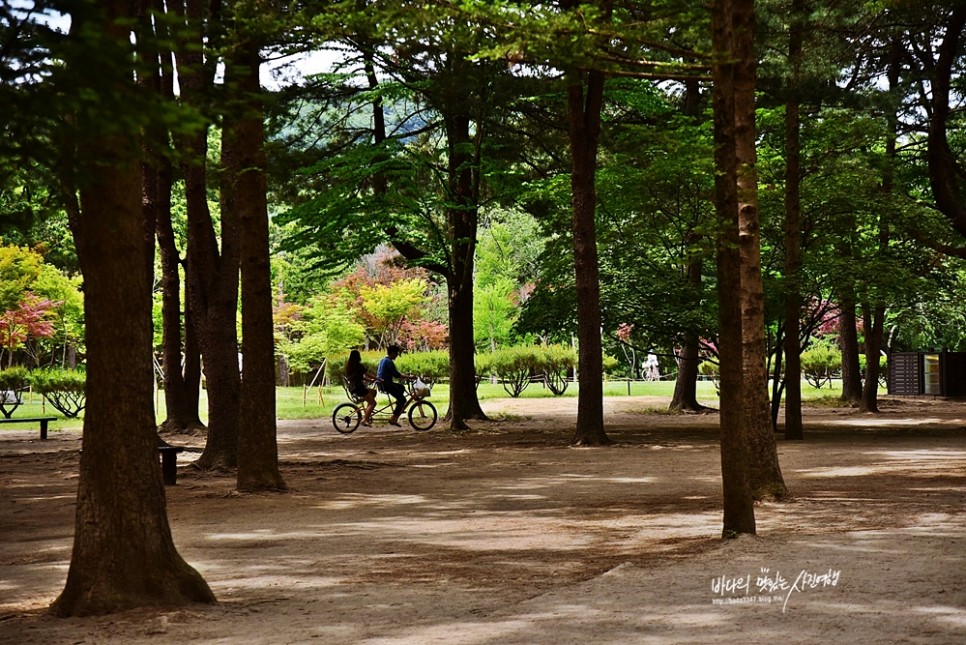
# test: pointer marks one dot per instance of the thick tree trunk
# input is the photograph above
(180, 393)
(849, 344)
(947, 176)
(873, 315)
(583, 111)
(685, 397)
(243, 157)
(793, 235)
(765, 474)
(123, 555)
(872, 319)
(739, 510)
(464, 403)
(211, 273)
(180, 384)
(463, 218)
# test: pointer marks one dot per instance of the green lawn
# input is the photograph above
(299, 403)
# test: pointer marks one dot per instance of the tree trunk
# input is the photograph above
(583, 111)
(849, 344)
(244, 194)
(211, 273)
(180, 385)
(872, 319)
(123, 554)
(793, 234)
(764, 473)
(463, 219)
(180, 393)
(947, 177)
(739, 510)
(685, 397)
(873, 315)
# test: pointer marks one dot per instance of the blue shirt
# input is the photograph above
(387, 371)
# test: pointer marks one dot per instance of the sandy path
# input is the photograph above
(508, 535)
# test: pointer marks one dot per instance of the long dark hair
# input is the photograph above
(355, 359)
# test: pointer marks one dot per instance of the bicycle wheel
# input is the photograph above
(346, 418)
(422, 415)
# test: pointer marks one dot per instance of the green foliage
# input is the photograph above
(65, 390)
(509, 247)
(67, 314)
(326, 329)
(26, 282)
(389, 306)
(507, 264)
(517, 367)
(709, 370)
(612, 365)
(495, 311)
(19, 269)
(13, 381)
(432, 365)
(305, 354)
(558, 361)
(821, 362)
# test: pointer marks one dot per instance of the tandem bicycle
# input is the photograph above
(421, 413)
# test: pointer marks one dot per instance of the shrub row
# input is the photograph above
(821, 363)
(514, 367)
(64, 390)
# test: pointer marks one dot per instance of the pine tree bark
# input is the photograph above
(947, 176)
(244, 193)
(685, 397)
(180, 362)
(872, 320)
(211, 269)
(123, 554)
(739, 512)
(584, 104)
(794, 428)
(764, 471)
(463, 220)
(849, 344)
(180, 392)
(873, 313)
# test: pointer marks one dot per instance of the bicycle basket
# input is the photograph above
(420, 389)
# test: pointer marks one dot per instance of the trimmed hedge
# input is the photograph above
(518, 367)
(821, 362)
(13, 381)
(63, 389)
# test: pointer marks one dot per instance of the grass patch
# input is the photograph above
(294, 403)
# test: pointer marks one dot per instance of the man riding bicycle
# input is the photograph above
(386, 374)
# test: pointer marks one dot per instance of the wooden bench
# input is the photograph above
(42, 420)
(169, 463)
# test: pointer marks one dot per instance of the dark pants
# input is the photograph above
(398, 392)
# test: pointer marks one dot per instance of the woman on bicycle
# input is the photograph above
(356, 373)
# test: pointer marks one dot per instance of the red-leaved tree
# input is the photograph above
(31, 318)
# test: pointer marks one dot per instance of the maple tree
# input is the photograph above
(31, 318)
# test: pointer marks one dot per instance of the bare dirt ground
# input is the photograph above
(505, 534)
